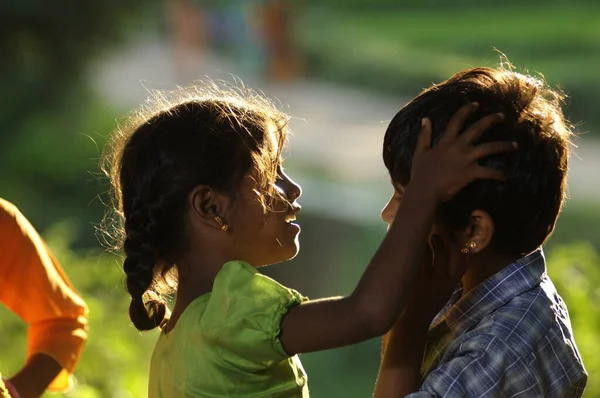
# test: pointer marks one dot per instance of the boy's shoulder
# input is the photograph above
(534, 328)
(531, 321)
(519, 307)
(513, 327)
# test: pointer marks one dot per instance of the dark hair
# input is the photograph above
(525, 207)
(208, 135)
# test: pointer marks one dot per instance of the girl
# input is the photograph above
(204, 202)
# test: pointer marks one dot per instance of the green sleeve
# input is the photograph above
(243, 318)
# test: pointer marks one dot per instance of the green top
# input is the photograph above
(226, 342)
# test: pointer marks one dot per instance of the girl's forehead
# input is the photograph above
(274, 137)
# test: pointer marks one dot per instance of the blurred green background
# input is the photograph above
(69, 70)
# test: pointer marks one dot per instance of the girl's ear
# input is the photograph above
(207, 205)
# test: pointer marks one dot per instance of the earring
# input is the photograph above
(468, 248)
(224, 227)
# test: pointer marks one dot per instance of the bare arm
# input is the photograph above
(371, 310)
(400, 370)
(33, 379)
(34, 287)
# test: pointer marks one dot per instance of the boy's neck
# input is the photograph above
(482, 266)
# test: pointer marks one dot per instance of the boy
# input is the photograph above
(505, 331)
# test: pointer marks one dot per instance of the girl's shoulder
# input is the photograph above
(241, 281)
(243, 315)
(242, 295)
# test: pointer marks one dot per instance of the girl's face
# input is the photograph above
(265, 236)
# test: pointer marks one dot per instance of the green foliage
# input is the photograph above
(53, 129)
(575, 270)
(401, 52)
(49, 46)
(400, 5)
(51, 168)
(578, 221)
(116, 357)
(51, 124)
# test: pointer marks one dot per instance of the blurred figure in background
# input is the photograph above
(253, 34)
(189, 29)
(283, 63)
(34, 287)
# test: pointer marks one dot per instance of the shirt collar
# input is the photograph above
(462, 313)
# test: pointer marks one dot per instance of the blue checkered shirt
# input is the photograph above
(509, 337)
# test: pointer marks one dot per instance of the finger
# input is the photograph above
(424, 139)
(492, 148)
(478, 128)
(487, 173)
(457, 122)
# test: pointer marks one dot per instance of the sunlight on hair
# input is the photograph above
(234, 102)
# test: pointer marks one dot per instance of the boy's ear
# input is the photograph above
(206, 204)
(479, 230)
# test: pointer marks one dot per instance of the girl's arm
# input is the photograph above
(400, 370)
(402, 352)
(371, 310)
(438, 173)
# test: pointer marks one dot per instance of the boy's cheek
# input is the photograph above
(437, 229)
(443, 232)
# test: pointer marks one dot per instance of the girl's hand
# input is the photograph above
(403, 347)
(382, 293)
(451, 165)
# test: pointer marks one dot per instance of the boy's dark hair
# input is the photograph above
(525, 207)
(194, 136)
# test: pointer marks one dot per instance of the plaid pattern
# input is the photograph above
(509, 337)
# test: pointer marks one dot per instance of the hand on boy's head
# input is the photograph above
(452, 164)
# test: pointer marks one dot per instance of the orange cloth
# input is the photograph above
(33, 286)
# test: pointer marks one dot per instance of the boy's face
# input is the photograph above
(389, 212)
(479, 229)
